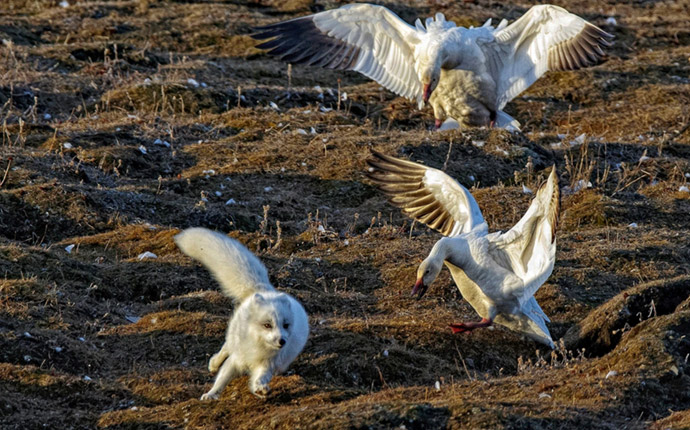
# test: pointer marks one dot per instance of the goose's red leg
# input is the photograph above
(492, 119)
(469, 326)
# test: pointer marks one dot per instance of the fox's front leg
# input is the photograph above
(259, 380)
(217, 360)
(227, 372)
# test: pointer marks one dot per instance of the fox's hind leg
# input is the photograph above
(227, 372)
(217, 360)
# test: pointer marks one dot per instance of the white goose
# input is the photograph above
(473, 72)
(496, 273)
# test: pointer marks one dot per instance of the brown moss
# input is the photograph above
(586, 207)
(132, 240)
(676, 421)
(374, 355)
(173, 98)
(173, 321)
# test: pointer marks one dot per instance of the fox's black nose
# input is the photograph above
(282, 342)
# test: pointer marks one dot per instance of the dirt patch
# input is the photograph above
(122, 123)
(603, 328)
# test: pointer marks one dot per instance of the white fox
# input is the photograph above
(268, 328)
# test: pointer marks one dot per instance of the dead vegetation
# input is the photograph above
(123, 122)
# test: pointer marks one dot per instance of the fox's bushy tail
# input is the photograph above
(239, 272)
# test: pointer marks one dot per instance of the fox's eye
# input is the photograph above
(268, 326)
(286, 325)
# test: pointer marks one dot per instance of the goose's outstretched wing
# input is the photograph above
(428, 195)
(546, 37)
(366, 38)
(529, 248)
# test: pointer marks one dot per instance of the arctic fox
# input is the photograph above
(268, 328)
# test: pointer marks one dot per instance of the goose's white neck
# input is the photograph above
(454, 249)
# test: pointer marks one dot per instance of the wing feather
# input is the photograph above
(426, 195)
(529, 248)
(546, 37)
(365, 38)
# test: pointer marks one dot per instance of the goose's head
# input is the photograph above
(426, 274)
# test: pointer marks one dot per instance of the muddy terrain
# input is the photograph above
(124, 122)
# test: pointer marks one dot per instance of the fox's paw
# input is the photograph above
(260, 390)
(210, 396)
(216, 361)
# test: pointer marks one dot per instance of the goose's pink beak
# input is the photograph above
(419, 288)
(427, 93)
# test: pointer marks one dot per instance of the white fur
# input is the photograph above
(261, 320)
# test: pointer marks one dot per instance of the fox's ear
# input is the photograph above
(284, 300)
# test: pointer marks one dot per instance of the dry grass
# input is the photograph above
(123, 122)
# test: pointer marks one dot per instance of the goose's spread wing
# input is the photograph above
(425, 194)
(529, 248)
(366, 38)
(545, 38)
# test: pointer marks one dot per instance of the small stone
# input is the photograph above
(145, 255)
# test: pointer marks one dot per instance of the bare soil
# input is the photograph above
(126, 121)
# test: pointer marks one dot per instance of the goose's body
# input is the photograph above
(491, 64)
(497, 273)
